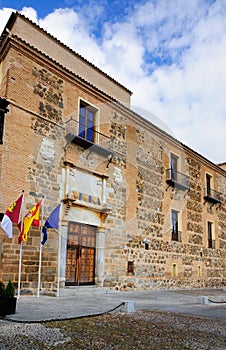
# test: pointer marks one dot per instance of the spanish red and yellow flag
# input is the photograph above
(31, 218)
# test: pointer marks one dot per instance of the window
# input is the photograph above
(174, 272)
(211, 195)
(174, 166)
(199, 271)
(87, 115)
(1, 126)
(85, 131)
(208, 184)
(130, 267)
(174, 177)
(3, 109)
(176, 233)
(146, 246)
(211, 240)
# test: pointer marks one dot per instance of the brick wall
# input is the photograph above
(69, 59)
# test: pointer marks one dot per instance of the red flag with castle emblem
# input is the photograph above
(11, 215)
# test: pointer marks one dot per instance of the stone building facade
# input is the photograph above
(139, 209)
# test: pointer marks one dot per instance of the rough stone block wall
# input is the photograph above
(195, 204)
(153, 263)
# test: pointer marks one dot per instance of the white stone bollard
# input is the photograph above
(204, 300)
(129, 306)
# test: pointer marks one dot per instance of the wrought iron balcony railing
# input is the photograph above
(89, 138)
(177, 179)
(212, 196)
(176, 235)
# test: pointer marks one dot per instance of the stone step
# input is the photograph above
(77, 290)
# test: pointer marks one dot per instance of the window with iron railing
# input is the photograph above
(177, 179)
(74, 132)
(85, 132)
(212, 196)
(174, 177)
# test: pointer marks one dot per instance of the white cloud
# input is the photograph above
(123, 52)
(4, 16)
(5, 13)
(30, 13)
(67, 22)
(66, 25)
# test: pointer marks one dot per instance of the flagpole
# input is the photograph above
(19, 276)
(20, 258)
(40, 251)
(59, 253)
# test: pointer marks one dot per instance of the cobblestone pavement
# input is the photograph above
(196, 326)
(143, 329)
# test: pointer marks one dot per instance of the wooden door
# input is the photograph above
(80, 264)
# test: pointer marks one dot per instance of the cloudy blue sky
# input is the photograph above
(170, 53)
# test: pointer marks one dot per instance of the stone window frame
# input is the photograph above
(96, 118)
